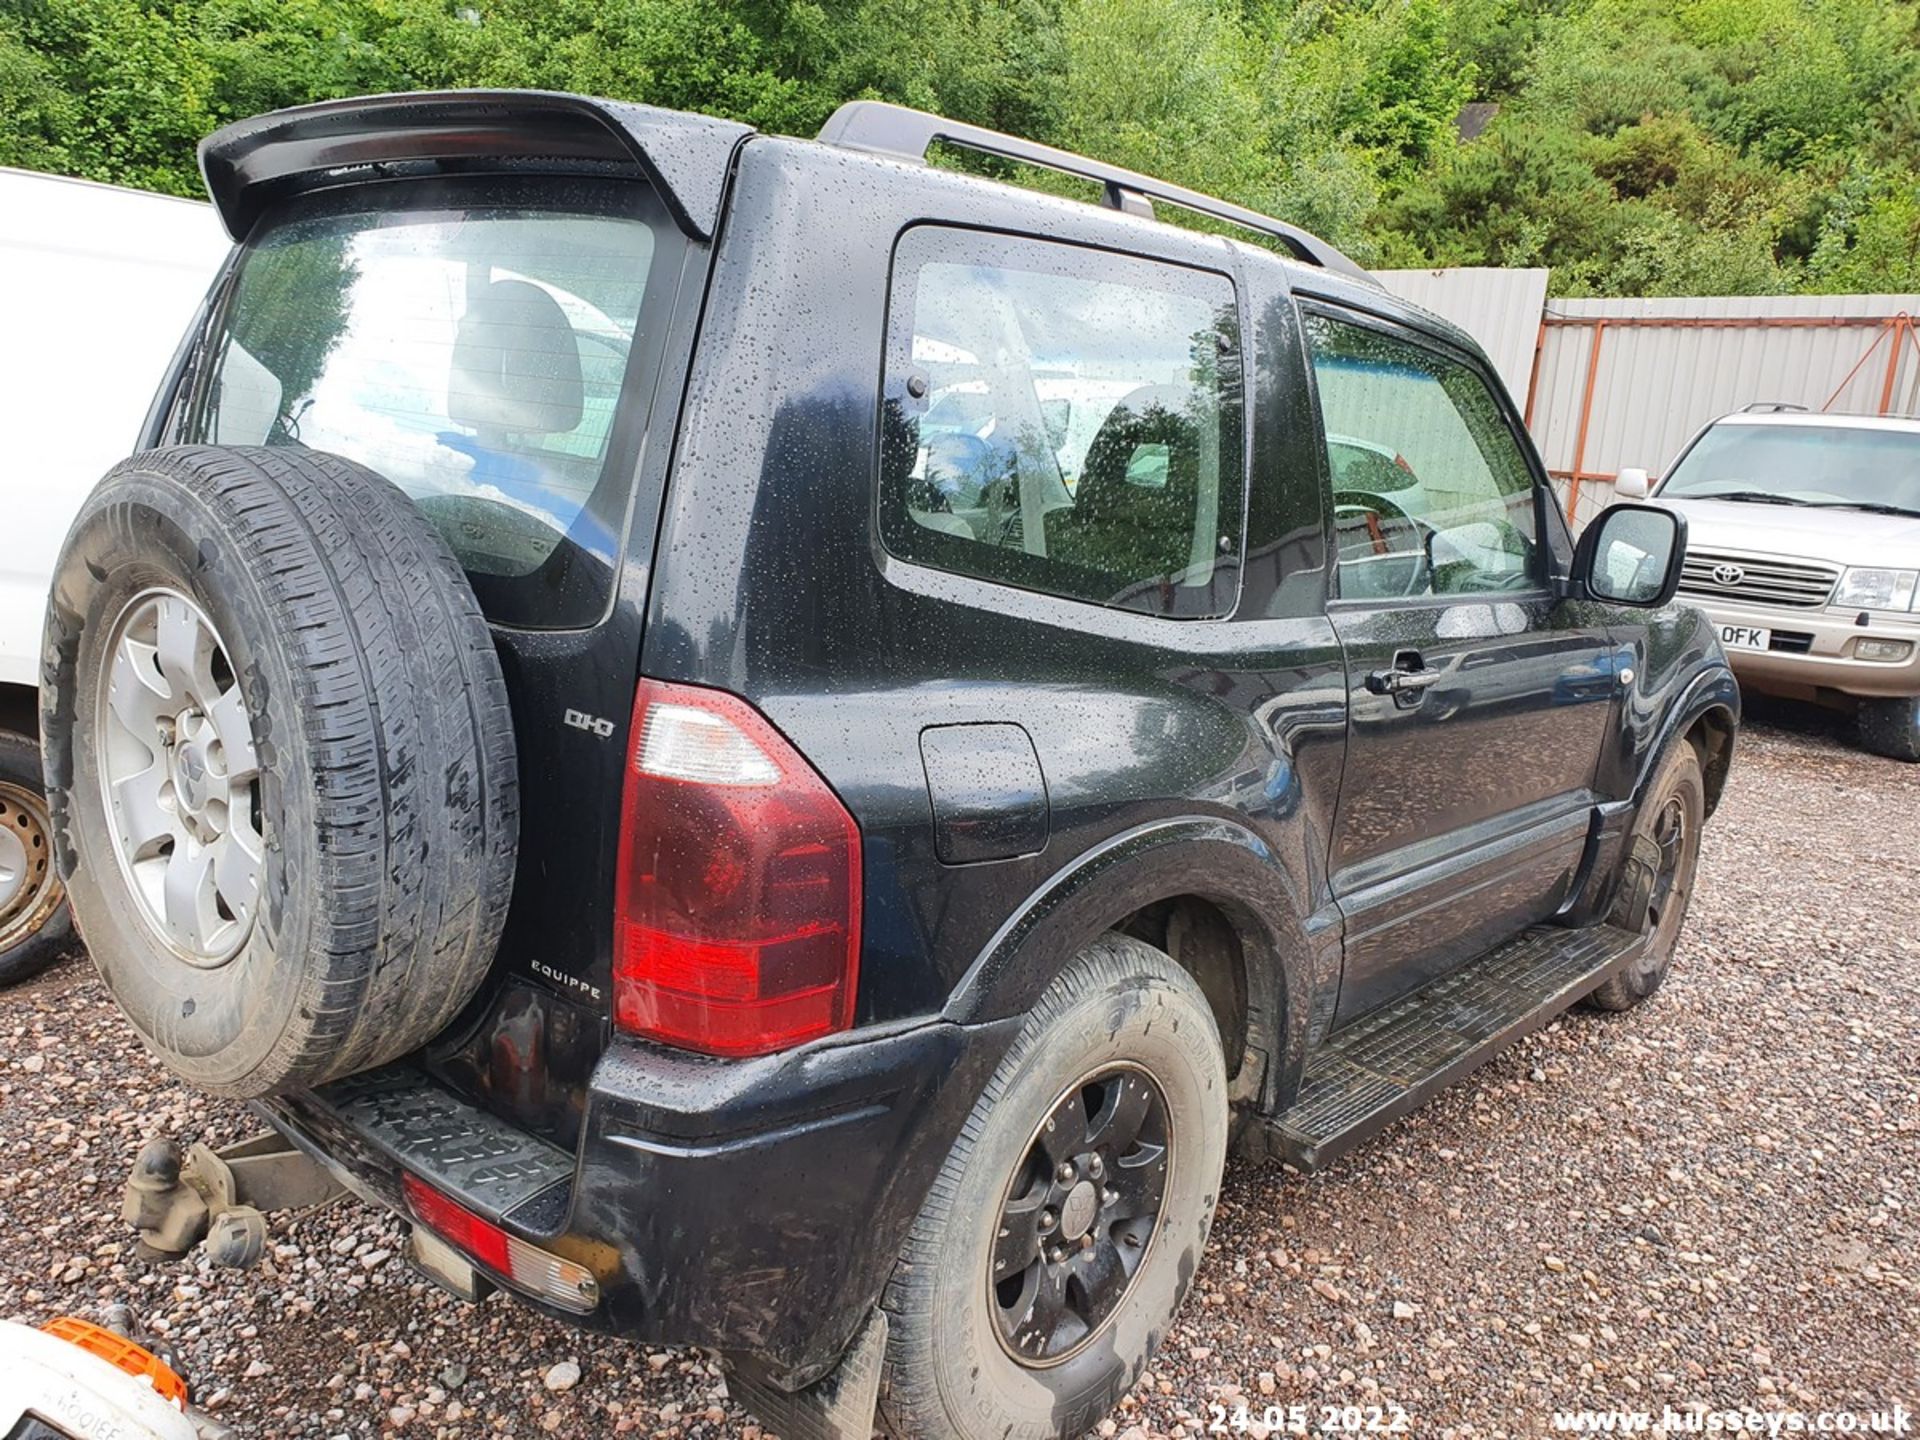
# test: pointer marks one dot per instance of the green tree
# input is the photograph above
(1638, 145)
(1165, 86)
(40, 114)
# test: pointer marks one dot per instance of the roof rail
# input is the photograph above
(905, 134)
(1772, 407)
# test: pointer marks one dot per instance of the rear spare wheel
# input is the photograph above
(280, 764)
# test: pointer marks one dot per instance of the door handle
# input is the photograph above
(1407, 677)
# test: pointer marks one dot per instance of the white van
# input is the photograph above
(97, 284)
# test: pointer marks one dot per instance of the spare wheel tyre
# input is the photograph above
(280, 764)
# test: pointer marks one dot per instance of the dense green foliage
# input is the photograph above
(1639, 146)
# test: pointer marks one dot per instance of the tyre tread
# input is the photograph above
(910, 1399)
(1891, 727)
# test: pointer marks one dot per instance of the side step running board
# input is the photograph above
(1383, 1066)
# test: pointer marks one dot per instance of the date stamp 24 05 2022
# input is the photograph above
(1259, 1422)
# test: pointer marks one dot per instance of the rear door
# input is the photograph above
(493, 345)
(1477, 700)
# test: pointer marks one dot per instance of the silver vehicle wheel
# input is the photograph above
(30, 890)
(305, 874)
(179, 777)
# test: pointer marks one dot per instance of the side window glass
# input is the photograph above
(1431, 496)
(1064, 420)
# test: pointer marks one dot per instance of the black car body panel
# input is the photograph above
(1089, 765)
(796, 1176)
(853, 651)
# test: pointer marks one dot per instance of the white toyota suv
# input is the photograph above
(1804, 549)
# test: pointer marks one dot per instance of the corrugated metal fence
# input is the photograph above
(1615, 383)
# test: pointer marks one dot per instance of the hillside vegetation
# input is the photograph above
(1638, 147)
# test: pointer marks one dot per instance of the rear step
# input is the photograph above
(1381, 1067)
(395, 1119)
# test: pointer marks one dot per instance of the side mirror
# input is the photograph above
(1631, 555)
(1631, 484)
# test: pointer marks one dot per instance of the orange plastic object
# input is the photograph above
(122, 1354)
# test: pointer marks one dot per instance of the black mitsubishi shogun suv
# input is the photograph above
(780, 746)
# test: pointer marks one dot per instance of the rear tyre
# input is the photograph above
(280, 764)
(1891, 727)
(1059, 1239)
(1663, 853)
(36, 928)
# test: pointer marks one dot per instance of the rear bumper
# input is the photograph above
(1829, 660)
(751, 1206)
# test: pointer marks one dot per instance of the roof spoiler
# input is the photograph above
(904, 134)
(254, 163)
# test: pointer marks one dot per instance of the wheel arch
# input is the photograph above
(1207, 891)
(1712, 734)
(1707, 715)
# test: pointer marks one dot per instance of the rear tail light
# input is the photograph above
(559, 1282)
(737, 913)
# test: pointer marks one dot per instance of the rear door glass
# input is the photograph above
(472, 343)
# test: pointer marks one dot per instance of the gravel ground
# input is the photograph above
(1713, 1201)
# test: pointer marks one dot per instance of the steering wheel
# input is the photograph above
(1373, 509)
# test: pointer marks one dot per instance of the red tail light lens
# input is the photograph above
(737, 916)
(560, 1282)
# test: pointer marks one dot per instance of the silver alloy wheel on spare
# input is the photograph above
(305, 875)
(29, 886)
(179, 777)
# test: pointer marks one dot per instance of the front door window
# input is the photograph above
(1431, 494)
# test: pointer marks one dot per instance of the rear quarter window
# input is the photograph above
(475, 343)
(1064, 420)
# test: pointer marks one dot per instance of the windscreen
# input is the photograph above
(1835, 465)
(472, 343)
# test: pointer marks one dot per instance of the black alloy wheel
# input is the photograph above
(1060, 1236)
(1080, 1214)
(1672, 874)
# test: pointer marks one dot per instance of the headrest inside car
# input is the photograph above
(516, 364)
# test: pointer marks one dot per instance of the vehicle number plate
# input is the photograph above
(1745, 637)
